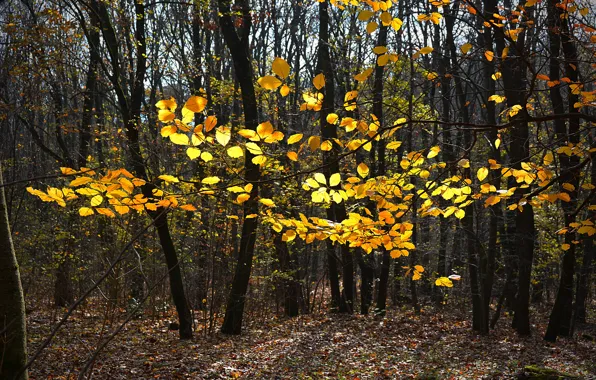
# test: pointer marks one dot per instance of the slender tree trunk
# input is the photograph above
(130, 109)
(13, 332)
(336, 212)
(239, 48)
(561, 318)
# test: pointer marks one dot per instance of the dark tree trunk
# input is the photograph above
(561, 318)
(130, 109)
(13, 332)
(239, 48)
(336, 212)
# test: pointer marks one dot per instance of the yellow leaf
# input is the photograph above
(267, 202)
(326, 145)
(293, 156)
(168, 178)
(105, 211)
(249, 134)
(459, 214)
(165, 115)
(349, 100)
(179, 139)
(465, 48)
(85, 211)
(196, 104)
(235, 152)
(96, 200)
(362, 170)
(121, 209)
(548, 159)
(393, 145)
(210, 123)
(242, 198)
(565, 247)
(497, 98)
(383, 60)
(396, 23)
(168, 130)
(365, 15)
(332, 118)
(363, 75)
(426, 50)
(223, 135)
(259, 160)
(280, 67)
(496, 75)
(497, 143)
(169, 104)
(319, 81)
(284, 90)
(80, 181)
(264, 129)
(444, 281)
(87, 191)
(188, 207)
(193, 153)
(386, 18)
(335, 179)
(320, 178)
(419, 268)
(295, 138)
(371, 27)
(568, 186)
(254, 148)
(434, 151)
(289, 235)
(206, 156)
(489, 55)
(482, 173)
(210, 180)
(269, 82)
(378, 50)
(314, 142)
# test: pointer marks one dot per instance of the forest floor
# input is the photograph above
(435, 344)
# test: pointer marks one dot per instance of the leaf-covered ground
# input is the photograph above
(436, 344)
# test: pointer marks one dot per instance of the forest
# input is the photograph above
(317, 189)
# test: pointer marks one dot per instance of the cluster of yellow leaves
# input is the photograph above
(281, 69)
(380, 10)
(356, 231)
(112, 193)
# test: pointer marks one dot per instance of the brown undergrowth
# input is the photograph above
(436, 344)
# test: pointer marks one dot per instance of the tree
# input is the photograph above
(13, 332)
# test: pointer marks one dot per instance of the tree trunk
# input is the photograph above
(560, 321)
(336, 212)
(130, 109)
(13, 333)
(239, 48)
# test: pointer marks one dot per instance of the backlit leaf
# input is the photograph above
(362, 170)
(319, 81)
(280, 67)
(482, 173)
(196, 104)
(235, 152)
(465, 48)
(295, 138)
(210, 180)
(269, 82)
(193, 153)
(85, 211)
